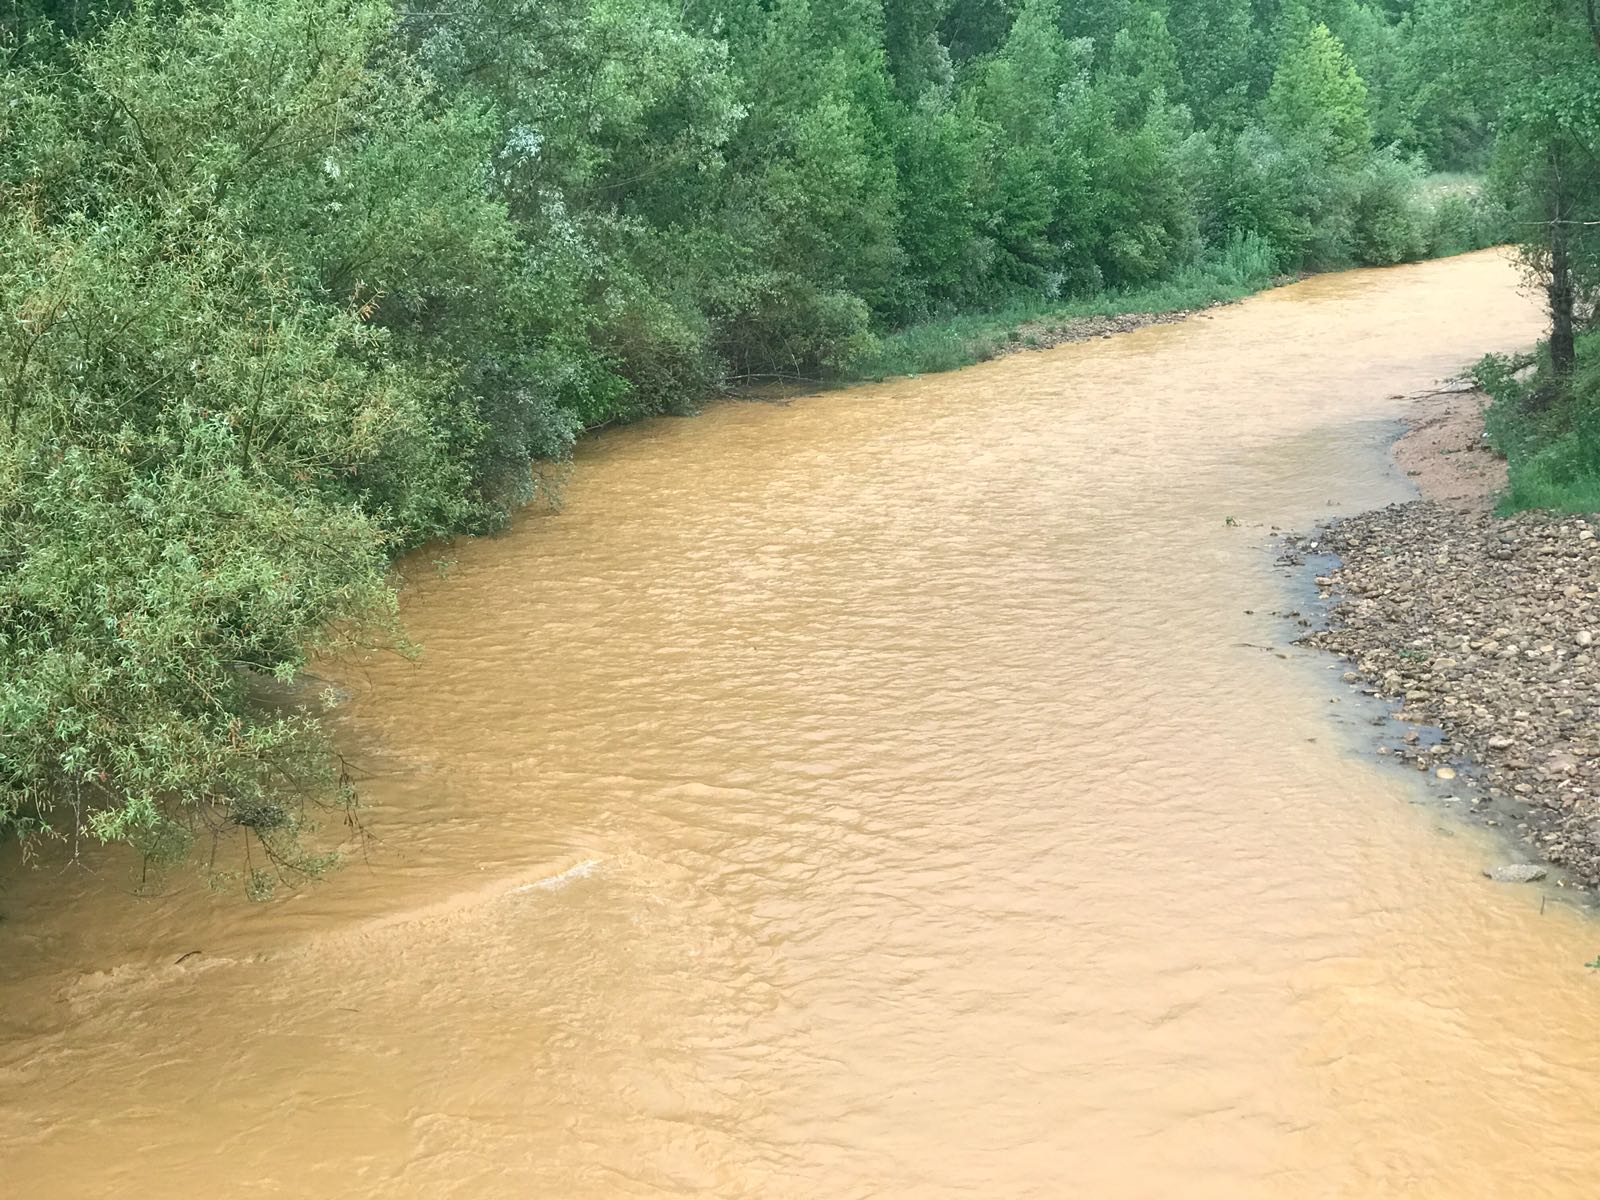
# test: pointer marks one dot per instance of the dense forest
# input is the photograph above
(292, 286)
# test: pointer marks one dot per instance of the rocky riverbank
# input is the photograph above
(1487, 629)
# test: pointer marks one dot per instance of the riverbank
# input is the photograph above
(980, 337)
(1485, 628)
(1242, 268)
(1040, 323)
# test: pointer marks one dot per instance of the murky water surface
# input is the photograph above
(882, 795)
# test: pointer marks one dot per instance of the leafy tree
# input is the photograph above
(938, 159)
(1548, 82)
(1317, 99)
(975, 28)
(291, 286)
(917, 59)
(812, 200)
(1142, 72)
(1218, 44)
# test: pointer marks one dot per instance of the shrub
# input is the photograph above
(1390, 221)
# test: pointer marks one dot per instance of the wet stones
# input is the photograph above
(1486, 628)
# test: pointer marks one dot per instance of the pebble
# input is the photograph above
(1497, 651)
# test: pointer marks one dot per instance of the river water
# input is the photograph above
(884, 794)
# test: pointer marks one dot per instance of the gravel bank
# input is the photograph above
(1489, 630)
(1047, 333)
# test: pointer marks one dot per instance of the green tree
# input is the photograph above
(1218, 46)
(1535, 66)
(1317, 99)
(291, 286)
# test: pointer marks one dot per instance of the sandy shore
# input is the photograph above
(1483, 628)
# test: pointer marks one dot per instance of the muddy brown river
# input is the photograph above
(885, 794)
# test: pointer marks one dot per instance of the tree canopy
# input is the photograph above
(292, 286)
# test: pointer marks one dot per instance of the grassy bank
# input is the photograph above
(1548, 429)
(966, 338)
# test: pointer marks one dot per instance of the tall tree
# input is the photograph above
(1540, 59)
(1317, 97)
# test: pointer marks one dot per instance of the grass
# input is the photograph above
(949, 343)
(1552, 491)
(1549, 434)
(1461, 183)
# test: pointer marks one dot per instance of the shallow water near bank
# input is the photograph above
(884, 794)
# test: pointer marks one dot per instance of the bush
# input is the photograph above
(291, 286)
(1390, 222)
(263, 364)
(1464, 220)
(1246, 262)
(182, 522)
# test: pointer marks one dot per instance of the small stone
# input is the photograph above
(1446, 773)
(1584, 638)
(1515, 873)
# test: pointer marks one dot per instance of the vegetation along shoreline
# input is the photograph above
(294, 288)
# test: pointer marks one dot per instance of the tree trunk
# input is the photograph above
(1563, 355)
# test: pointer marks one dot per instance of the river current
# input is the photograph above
(885, 793)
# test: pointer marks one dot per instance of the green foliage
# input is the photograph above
(1244, 266)
(181, 527)
(1317, 98)
(1532, 67)
(237, 370)
(1391, 219)
(1462, 217)
(1222, 50)
(1548, 430)
(293, 286)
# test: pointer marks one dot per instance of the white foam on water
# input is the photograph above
(582, 871)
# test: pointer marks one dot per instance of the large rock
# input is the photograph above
(1515, 873)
